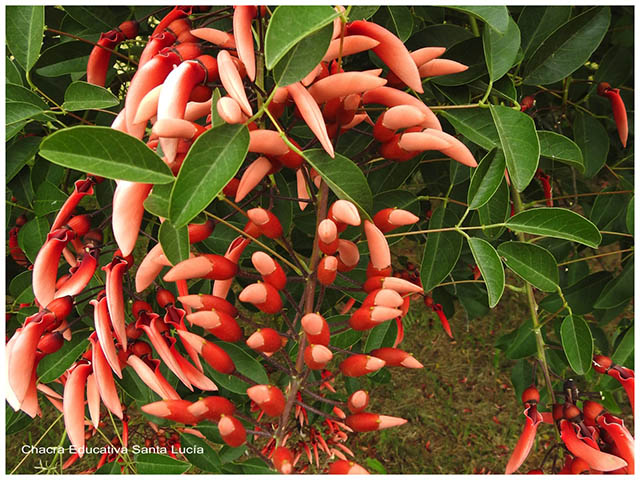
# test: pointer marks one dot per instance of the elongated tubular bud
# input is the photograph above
(197, 110)
(400, 116)
(218, 323)
(115, 300)
(104, 379)
(149, 268)
(81, 189)
(267, 222)
(263, 296)
(391, 97)
(343, 84)
(232, 431)
(316, 328)
(269, 398)
(391, 218)
(404, 146)
(383, 298)
(212, 353)
(391, 51)
(283, 460)
(419, 141)
(242, 17)
(366, 318)
(343, 211)
(595, 458)
(270, 270)
(349, 256)
(174, 14)
(358, 401)
(619, 113)
(176, 410)
(327, 270)
(103, 331)
(73, 405)
(346, 467)
(195, 376)
(232, 82)
(93, 400)
(316, 357)
(208, 302)
(30, 404)
(267, 142)
(252, 176)
(149, 377)
(81, 277)
(22, 357)
(211, 408)
(148, 107)
(177, 128)
(350, 45)
(155, 44)
(398, 284)
(328, 236)
(311, 114)
(360, 364)
(128, 210)
(440, 66)
(626, 377)
(100, 55)
(394, 357)
(230, 111)
(378, 247)
(217, 37)
(369, 422)
(45, 266)
(301, 188)
(210, 266)
(622, 439)
(265, 340)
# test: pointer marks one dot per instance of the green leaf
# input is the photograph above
(157, 203)
(629, 217)
(580, 296)
(519, 141)
(64, 58)
(16, 114)
(174, 241)
(486, 179)
(537, 23)
(106, 152)
(523, 343)
(496, 17)
(32, 236)
(490, 266)
(19, 153)
(577, 343)
(382, 335)
(624, 350)
(214, 158)
(95, 18)
(49, 198)
(156, 464)
(557, 223)
(15, 421)
(343, 176)
(469, 53)
(362, 12)
(289, 25)
(532, 263)
(497, 210)
(375, 465)
(607, 207)
(303, 57)
(567, 48)
(475, 124)
(400, 21)
(200, 454)
(593, 140)
(25, 28)
(12, 72)
(521, 377)
(52, 366)
(560, 148)
(441, 251)
(216, 120)
(85, 96)
(18, 93)
(21, 285)
(619, 290)
(501, 50)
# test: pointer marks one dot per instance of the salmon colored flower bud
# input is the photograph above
(366, 318)
(360, 364)
(217, 322)
(393, 283)
(343, 213)
(316, 328)
(394, 357)
(328, 236)
(214, 355)
(283, 460)
(316, 357)
(263, 296)
(269, 225)
(230, 111)
(50, 343)
(265, 340)
(200, 231)
(208, 302)
(383, 298)
(346, 467)
(269, 398)
(270, 270)
(378, 246)
(232, 431)
(210, 266)
(327, 270)
(391, 218)
(358, 401)
(531, 395)
(369, 422)
(164, 297)
(176, 410)
(211, 408)
(348, 255)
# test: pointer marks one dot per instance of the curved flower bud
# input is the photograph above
(211, 266)
(232, 431)
(231, 81)
(212, 408)
(242, 17)
(369, 422)
(316, 328)
(217, 37)
(311, 114)
(269, 398)
(267, 222)
(176, 410)
(270, 270)
(440, 66)
(219, 323)
(350, 45)
(208, 302)
(595, 458)
(265, 340)
(358, 401)
(104, 380)
(73, 405)
(128, 209)
(391, 97)
(212, 353)
(366, 318)
(343, 84)
(283, 460)
(263, 296)
(525, 442)
(360, 364)
(316, 357)
(394, 357)
(45, 266)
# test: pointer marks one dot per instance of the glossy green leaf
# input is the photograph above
(17, 114)
(624, 350)
(523, 342)
(629, 217)
(157, 203)
(490, 266)
(85, 96)
(200, 454)
(470, 53)
(532, 263)
(98, 19)
(213, 160)
(577, 343)
(476, 124)
(400, 21)
(289, 25)
(619, 290)
(607, 207)
(19, 153)
(580, 296)
(382, 335)
(593, 140)
(52, 366)
(441, 251)
(497, 17)
(15, 421)
(496, 210)
(216, 120)
(561, 149)
(519, 141)
(32, 236)
(49, 198)
(18, 93)
(303, 57)
(557, 223)
(536, 23)
(501, 49)
(20, 287)
(156, 464)
(521, 377)
(486, 179)
(25, 28)
(106, 152)
(12, 72)
(344, 178)
(567, 48)
(174, 241)
(63, 58)
(362, 12)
